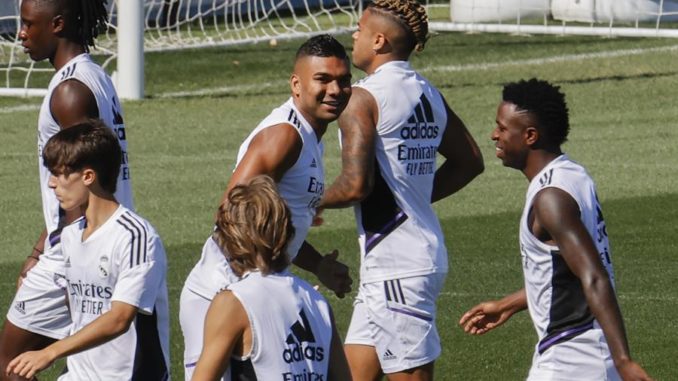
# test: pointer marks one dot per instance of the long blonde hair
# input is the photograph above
(254, 226)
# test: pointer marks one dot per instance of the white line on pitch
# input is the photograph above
(7, 110)
(554, 59)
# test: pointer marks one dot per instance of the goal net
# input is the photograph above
(632, 18)
(181, 24)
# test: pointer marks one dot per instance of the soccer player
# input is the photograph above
(62, 32)
(270, 325)
(115, 269)
(569, 282)
(285, 146)
(392, 129)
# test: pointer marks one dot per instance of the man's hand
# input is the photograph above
(318, 217)
(334, 274)
(631, 371)
(484, 317)
(29, 263)
(28, 364)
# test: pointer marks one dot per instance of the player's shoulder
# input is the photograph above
(133, 225)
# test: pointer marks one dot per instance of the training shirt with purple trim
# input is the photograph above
(399, 233)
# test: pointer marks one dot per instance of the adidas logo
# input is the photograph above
(314, 164)
(388, 355)
(298, 349)
(21, 307)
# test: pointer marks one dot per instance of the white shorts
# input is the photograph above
(40, 305)
(583, 358)
(397, 318)
(192, 312)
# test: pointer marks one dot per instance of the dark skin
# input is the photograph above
(45, 34)
(554, 219)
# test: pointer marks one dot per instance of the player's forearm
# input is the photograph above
(514, 302)
(343, 194)
(105, 328)
(39, 246)
(603, 304)
(308, 258)
(452, 177)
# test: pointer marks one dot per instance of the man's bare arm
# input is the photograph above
(273, 151)
(358, 133)
(72, 102)
(463, 158)
(557, 214)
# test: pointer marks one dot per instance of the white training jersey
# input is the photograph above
(81, 68)
(291, 329)
(122, 261)
(301, 187)
(399, 233)
(556, 300)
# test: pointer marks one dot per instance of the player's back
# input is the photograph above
(400, 233)
(291, 328)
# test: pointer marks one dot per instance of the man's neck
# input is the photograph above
(65, 52)
(318, 126)
(538, 160)
(99, 210)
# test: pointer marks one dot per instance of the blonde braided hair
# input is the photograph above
(409, 14)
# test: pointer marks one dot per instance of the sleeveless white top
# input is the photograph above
(399, 233)
(301, 187)
(291, 329)
(81, 68)
(556, 300)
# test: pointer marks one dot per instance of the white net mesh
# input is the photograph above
(182, 24)
(639, 18)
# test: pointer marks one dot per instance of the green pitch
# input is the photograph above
(201, 105)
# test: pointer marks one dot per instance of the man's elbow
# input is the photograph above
(361, 190)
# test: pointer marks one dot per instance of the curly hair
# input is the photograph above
(88, 17)
(545, 102)
(254, 226)
(410, 15)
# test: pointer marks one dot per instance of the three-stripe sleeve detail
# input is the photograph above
(138, 236)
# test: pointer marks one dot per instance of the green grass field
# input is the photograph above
(622, 98)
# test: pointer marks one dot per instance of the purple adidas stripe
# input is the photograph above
(410, 313)
(376, 237)
(562, 336)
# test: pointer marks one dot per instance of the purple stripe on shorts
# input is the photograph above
(548, 342)
(190, 365)
(410, 313)
(375, 238)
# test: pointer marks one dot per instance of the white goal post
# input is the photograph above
(139, 26)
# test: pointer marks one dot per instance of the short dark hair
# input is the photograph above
(86, 18)
(546, 103)
(322, 45)
(254, 227)
(85, 145)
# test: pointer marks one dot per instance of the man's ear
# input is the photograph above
(380, 43)
(295, 85)
(531, 135)
(58, 24)
(89, 176)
